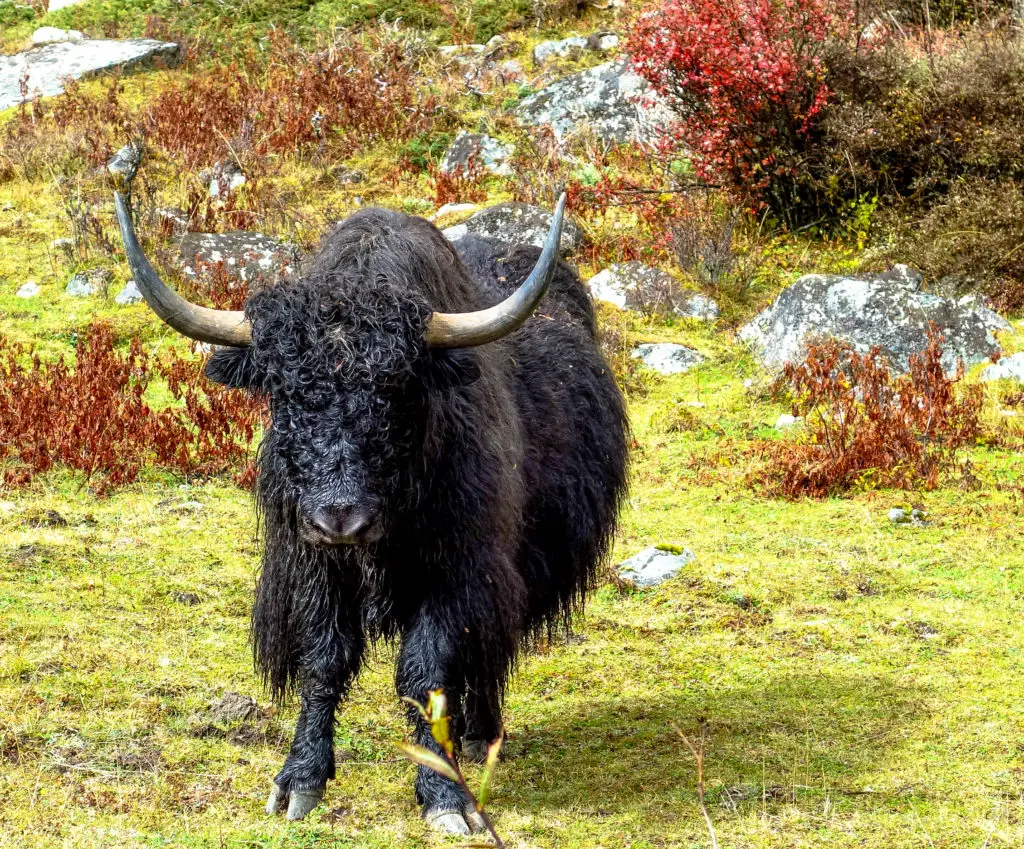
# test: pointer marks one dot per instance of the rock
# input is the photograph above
(786, 421)
(653, 566)
(1008, 368)
(574, 46)
(233, 707)
(49, 35)
(609, 99)
(124, 164)
(887, 310)
(130, 294)
(477, 150)
(189, 599)
(346, 176)
(247, 257)
(511, 71)
(452, 209)
(45, 68)
(65, 245)
(86, 283)
(28, 289)
(667, 357)
(516, 224)
(633, 285)
(993, 320)
(224, 178)
(901, 516)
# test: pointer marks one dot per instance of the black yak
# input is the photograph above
(437, 470)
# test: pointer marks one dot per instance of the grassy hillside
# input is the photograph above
(859, 680)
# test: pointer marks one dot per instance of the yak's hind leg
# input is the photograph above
(327, 672)
(483, 717)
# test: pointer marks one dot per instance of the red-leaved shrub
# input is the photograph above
(862, 424)
(748, 79)
(94, 417)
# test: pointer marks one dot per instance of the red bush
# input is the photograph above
(94, 418)
(748, 78)
(863, 423)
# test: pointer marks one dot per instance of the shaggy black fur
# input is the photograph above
(494, 475)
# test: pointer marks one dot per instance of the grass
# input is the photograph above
(860, 680)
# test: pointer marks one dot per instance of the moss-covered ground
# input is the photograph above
(860, 681)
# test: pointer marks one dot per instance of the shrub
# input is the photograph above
(863, 424)
(749, 78)
(972, 240)
(94, 417)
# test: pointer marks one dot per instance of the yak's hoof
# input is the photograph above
(461, 823)
(296, 803)
(475, 750)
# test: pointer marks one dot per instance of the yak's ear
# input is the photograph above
(232, 367)
(453, 367)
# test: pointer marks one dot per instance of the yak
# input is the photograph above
(443, 466)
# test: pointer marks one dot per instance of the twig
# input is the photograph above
(698, 756)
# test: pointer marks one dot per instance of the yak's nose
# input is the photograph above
(345, 524)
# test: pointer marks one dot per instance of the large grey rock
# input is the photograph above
(667, 357)
(46, 67)
(609, 99)
(516, 224)
(885, 310)
(477, 150)
(635, 286)
(130, 294)
(1008, 368)
(246, 257)
(653, 566)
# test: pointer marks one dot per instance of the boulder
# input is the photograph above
(885, 310)
(614, 102)
(635, 286)
(83, 284)
(480, 151)
(45, 68)
(667, 357)
(516, 224)
(246, 257)
(1008, 368)
(653, 566)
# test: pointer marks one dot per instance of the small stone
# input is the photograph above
(786, 421)
(130, 294)
(1008, 368)
(452, 209)
(49, 35)
(897, 515)
(29, 289)
(79, 286)
(651, 291)
(653, 566)
(233, 707)
(346, 176)
(667, 357)
(66, 245)
(187, 598)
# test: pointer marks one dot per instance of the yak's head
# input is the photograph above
(347, 358)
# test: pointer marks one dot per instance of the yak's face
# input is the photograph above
(348, 378)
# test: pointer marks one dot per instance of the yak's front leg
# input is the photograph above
(299, 786)
(431, 659)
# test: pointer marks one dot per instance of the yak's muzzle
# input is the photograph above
(341, 524)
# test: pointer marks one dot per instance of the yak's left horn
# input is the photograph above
(218, 327)
(466, 329)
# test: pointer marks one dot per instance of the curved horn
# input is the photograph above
(466, 329)
(219, 327)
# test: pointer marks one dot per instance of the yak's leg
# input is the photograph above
(300, 785)
(430, 660)
(483, 718)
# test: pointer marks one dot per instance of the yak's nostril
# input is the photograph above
(343, 523)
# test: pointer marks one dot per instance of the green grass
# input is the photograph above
(860, 681)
